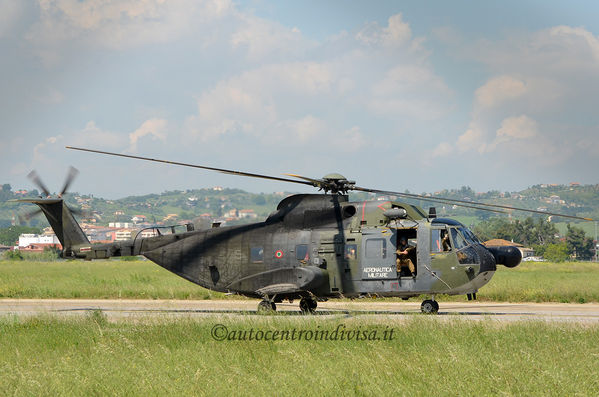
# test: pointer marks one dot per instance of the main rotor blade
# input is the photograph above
(37, 180)
(318, 183)
(223, 170)
(70, 177)
(470, 204)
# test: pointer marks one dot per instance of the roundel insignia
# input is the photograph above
(278, 254)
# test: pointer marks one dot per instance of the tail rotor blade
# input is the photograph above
(24, 218)
(70, 177)
(36, 179)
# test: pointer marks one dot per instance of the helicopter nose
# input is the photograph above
(509, 256)
(487, 260)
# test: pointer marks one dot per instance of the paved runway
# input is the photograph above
(138, 309)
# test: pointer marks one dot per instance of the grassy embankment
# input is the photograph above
(576, 282)
(89, 356)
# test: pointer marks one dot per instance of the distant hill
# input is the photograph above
(239, 206)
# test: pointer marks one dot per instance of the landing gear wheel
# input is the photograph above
(266, 307)
(308, 305)
(429, 307)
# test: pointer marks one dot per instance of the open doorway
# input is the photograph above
(406, 260)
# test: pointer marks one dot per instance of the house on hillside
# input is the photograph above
(138, 219)
(247, 213)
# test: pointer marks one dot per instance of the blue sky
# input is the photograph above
(395, 95)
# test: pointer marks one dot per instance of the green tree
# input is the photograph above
(10, 235)
(578, 244)
(556, 252)
(528, 232)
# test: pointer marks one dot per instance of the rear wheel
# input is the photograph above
(308, 305)
(266, 306)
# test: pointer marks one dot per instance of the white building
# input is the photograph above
(121, 225)
(26, 240)
(122, 235)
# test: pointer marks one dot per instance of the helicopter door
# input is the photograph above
(377, 256)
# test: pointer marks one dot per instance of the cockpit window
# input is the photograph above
(459, 241)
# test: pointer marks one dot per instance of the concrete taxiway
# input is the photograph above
(116, 309)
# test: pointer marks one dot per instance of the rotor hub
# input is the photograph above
(335, 183)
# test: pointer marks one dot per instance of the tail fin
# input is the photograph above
(63, 223)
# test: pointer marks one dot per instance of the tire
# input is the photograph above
(266, 307)
(429, 307)
(308, 305)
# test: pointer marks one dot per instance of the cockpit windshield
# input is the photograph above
(469, 236)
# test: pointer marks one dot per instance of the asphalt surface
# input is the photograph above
(123, 309)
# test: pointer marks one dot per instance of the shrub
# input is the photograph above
(15, 255)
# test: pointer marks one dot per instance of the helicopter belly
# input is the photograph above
(289, 280)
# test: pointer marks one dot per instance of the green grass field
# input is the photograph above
(424, 356)
(95, 279)
(575, 282)
(89, 356)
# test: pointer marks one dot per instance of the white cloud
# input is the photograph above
(396, 33)
(93, 136)
(472, 140)
(39, 156)
(514, 128)
(302, 130)
(442, 149)
(262, 38)
(154, 127)
(120, 24)
(499, 89)
(251, 102)
(575, 37)
(411, 89)
(541, 99)
(351, 140)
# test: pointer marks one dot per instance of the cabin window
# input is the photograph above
(302, 253)
(376, 248)
(257, 254)
(351, 251)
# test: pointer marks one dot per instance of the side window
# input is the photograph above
(257, 254)
(376, 248)
(351, 251)
(302, 253)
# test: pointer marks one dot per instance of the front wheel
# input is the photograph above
(429, 307)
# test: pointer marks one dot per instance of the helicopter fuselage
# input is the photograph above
(321, 246)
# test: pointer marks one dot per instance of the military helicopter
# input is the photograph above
(313, 247)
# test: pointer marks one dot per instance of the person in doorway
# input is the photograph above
(404, 253)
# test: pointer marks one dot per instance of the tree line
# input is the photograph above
(540, 235)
